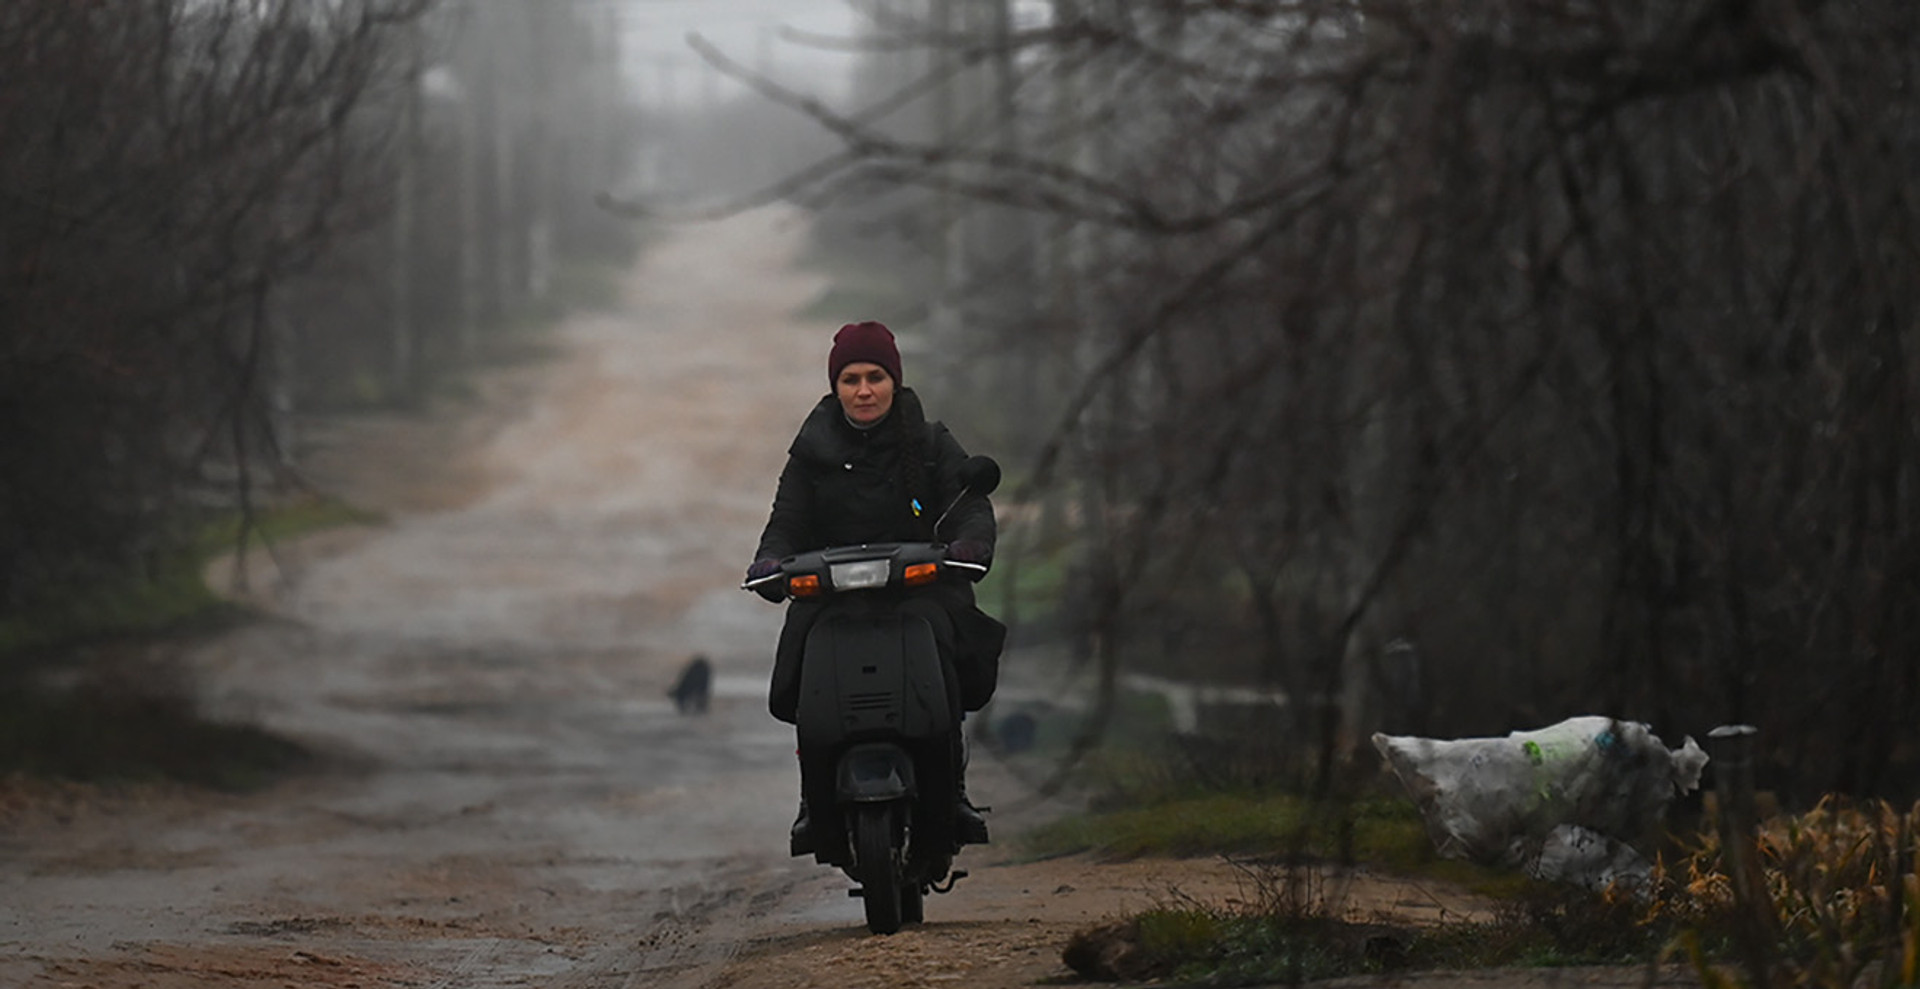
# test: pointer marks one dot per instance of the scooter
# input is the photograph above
(878, 738)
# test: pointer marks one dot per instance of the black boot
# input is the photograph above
(800, 837)
(969, 828)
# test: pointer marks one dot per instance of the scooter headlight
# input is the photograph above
(866, 573)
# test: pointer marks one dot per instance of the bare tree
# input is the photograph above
(1569, 340)
(167, 165)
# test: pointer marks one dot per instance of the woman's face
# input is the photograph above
(865, 391)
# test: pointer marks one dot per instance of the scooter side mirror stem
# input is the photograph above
(980, 476)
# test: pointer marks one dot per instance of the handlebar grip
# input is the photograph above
(973, 571)
(772, 587)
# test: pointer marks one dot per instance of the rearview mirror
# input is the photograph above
(980, 475)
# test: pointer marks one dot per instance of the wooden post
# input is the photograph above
(1731, 747)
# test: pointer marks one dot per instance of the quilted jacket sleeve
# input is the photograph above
(789, 525)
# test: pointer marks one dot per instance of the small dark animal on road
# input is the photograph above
(691, 692)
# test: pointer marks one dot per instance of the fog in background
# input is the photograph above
(1419, 368)
(711, 135)
(1404, 366)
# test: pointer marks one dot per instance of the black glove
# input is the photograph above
(970, 551)
(772, 590)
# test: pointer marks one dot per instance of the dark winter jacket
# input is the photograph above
(844, 486)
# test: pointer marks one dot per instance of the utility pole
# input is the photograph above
(540, 153)
(1063, 253)
(601, 155)
(405, 207)
(950, 245)
(1011, 233)
(507, 229)
(468, 153)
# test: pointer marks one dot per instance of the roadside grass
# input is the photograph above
(1376, 832)
(61, 719)
(1028, 583)
(1148, 797)
(65, 717)
(1205, 824)
(172, 599)
(1840, 905)
(284, 522)
(1286, 930)
(1276, 944)
(100, 731)
(1836, 901)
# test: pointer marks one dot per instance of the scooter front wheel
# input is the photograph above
(877, 866)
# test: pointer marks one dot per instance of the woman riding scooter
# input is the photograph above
(867, 467)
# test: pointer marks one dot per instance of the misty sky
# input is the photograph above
(654, 34)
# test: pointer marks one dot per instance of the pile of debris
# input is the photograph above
(1573, 802)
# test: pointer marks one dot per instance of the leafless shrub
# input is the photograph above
(166, 165)
(1570, 340)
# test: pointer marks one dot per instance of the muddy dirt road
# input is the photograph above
(505, 795)
(512, 799)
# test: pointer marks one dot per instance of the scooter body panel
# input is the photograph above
(874, 726)
(870, 674)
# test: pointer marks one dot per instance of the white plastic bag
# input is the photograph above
(1573, 854)
(1570, 802)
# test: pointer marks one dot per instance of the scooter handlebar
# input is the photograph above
(774, 586)
(973, 571)
(776, 581)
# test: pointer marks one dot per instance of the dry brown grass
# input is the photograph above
(1842, 899)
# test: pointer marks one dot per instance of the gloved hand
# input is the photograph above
(774, 590)
(969, 551)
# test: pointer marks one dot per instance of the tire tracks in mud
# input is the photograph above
(483, 958)
(695, 930)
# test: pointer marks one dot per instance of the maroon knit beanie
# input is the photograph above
(869, 341)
